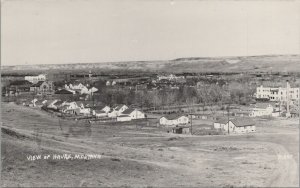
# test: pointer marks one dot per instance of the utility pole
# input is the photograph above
(191, 124)
(228, 116)
(299, 106)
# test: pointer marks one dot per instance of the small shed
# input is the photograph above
(181, 130)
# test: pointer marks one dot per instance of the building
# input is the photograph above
(220, 123)
(245, 125)
(117, 111)
(50, 104)
(130, 114)
(169, 77)
(18, 87)
(173, 120)
(42, 87)
(99, 113)
(181, 130)
(36, 79)
(262, 109)
(277, 93)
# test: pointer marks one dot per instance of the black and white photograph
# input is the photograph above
(150, 93)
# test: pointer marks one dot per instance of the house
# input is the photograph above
(81, 89)
(134, 113)
(172, 120)
(124, 118)
(117, 111)
(262, 109)
(40, 103)
(220, 123)
(32, 103)
(18, 87)
(50, 104)
(245, 125)
(106, 109)
(181, 130)
(130, 114)
(69, 110)
(99, 113)
(80, 104)
(42, 87)
(59, 104)
(85, 111)
(73, 105)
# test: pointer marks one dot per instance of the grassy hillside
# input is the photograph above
(275, 63)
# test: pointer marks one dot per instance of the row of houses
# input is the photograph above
(118, 112)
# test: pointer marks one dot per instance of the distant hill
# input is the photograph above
(263, 63)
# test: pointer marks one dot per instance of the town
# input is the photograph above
(187, 103)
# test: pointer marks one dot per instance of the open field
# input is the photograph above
(147, 156)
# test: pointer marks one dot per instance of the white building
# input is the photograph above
(245, 125)
(277, 93)
(174, 120)
(36, 79)
(170, 77)
(262, 109)
(219, 124)
(130, 114)
(117, 111)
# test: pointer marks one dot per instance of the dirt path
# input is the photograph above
(287, 173)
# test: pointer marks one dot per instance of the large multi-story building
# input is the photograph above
(36, 79)
(278, 93)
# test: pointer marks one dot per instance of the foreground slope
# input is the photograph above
(144, 157)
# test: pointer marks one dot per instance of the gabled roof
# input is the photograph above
(128, 111)
(20, 83)
(65, 107)
(222, 120)
(49, 102)
(58, 103)
(38, 84)
(119, 107)
(99, 112)
(241, 122)
(79, 103)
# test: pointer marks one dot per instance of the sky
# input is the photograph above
(85, 31)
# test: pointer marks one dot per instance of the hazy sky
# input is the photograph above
(70, 31)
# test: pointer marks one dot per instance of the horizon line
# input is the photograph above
(127, 61)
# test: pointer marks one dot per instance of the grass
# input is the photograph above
(133, 154)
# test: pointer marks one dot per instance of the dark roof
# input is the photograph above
(262, 105)
(58, 103)
(99, 111)
(38, 84)
(128, 111)
(123, 116)
(119, 107)
(63, 91)
(222, 120)
(20, 82)
(241, 122)
(173, 116)
(181, 127)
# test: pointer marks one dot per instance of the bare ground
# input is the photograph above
(143, 157)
